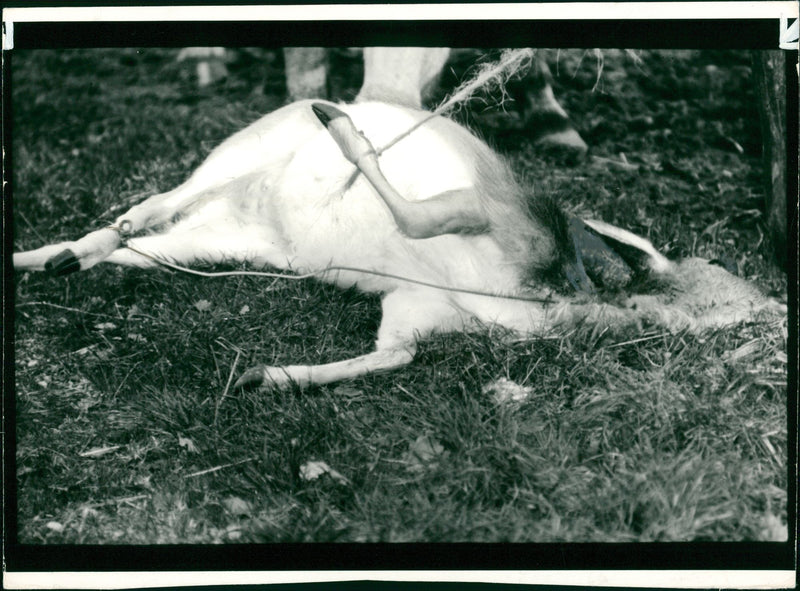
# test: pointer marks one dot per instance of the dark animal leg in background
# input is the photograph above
(543, 116)
(306, 72)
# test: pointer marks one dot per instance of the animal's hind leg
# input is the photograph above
(66, 257)
(264, 147)
(544, 116)
(407, 316)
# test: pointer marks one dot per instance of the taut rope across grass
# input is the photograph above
(330, 269)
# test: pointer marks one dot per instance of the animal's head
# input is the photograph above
(692, 293)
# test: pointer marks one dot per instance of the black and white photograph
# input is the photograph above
(362, 293)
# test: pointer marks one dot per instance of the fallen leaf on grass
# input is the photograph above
(105, 326)
(203, 305)
(423, 453)
(99, 451)
(773, 529)
(313, 470)
(144, 481)
(347, 392)
(245, 309)
(55, 526)
(504, 392)
(188, 444)
(85, 350)
(237, 506)
(746, 350)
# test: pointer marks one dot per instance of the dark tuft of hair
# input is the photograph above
(546, 211)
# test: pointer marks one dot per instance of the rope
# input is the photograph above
(333, 268)
(511, 62)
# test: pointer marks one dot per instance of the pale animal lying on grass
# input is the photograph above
(442, 229)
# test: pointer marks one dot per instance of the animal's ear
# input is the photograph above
(639, 253)
(595, 259)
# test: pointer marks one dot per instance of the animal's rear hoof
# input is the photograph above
(325, 113)
(63, 263)
(252, 378)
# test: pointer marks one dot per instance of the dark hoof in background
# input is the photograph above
(554, 135)
(63, 263)
(566, 147)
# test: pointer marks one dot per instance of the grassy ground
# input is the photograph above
(127, 431)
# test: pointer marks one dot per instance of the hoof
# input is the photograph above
(263, 376)
(566, 147)
(63, 263)
(252, 378)
(325, 113)
(568, 140)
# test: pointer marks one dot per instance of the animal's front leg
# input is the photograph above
(407, 316)
(305, 375)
